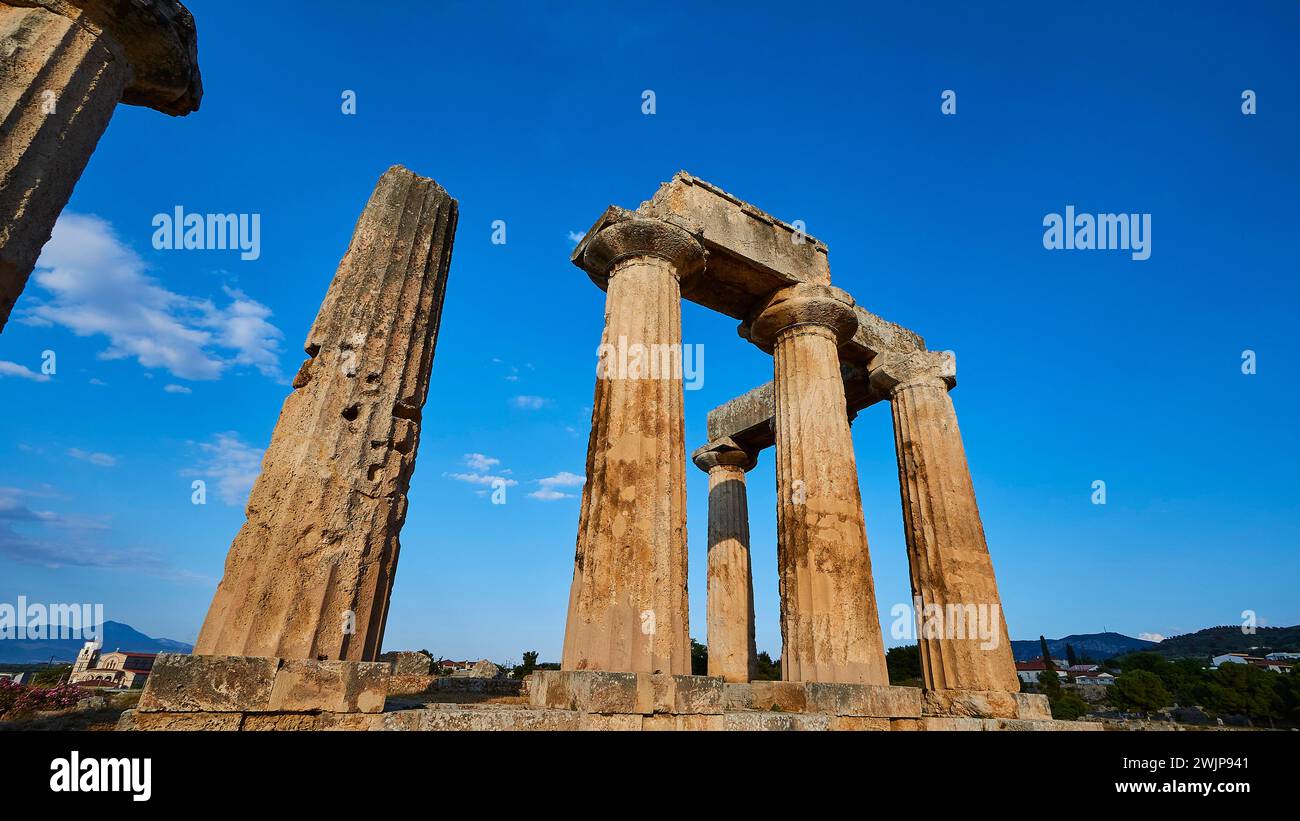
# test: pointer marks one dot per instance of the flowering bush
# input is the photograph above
(17, 699)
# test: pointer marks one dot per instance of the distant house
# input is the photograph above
(116, 669)
(455, 665)
(16, 678)
(1028, 671)
(1273, 662)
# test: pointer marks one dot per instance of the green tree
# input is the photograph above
(1070, 658)
(1047, 653)
(51, 676)
(1139, 691)
(1243, 689)
(904, 665)
(1069, 707)
(768, 670)
(1049, 684)
(529, 665)
(699, 659)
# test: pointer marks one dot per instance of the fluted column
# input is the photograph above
(310, 573)
(627, 604)
(64, 67)
(829, 622)
(961, 628)
(732, 654)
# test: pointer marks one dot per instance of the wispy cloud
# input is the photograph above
(530, 402)
(230, 462)
(575, 237)
(176, 389)
(14, 369)
(481, 471)
(549, 489)
(1156, 637)
(44, 538)
(95, 285)
(102, 460)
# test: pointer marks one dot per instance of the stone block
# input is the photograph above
(1033, 706)
(399, 683)
(281, 722)
(409, 663)
(687, 694)
(135, 720)
(615, 722)
(214, 684)
(971, 703)
(330, 686)
(862, 723)
(871, 700)
(779, 696)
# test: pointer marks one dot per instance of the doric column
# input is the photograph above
(64, 67)
(627, 604)
(731, 585)
(961, 628)
(310, 573)
(829, 623)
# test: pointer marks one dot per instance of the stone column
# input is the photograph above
(732, 653)
(64, 67)
(627, 604)
(961, 627)
(310, 573)
(829, 625)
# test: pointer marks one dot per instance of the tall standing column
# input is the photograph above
(829, 623)
(961, 628)
(627, 604)
(310, 574)
(732, 653)
(64, 67)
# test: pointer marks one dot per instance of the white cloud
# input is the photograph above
(477, 461)
(480, 478)
(548, 492)
(176, 389)
(102, 460)
(575, 237)
(14, 369)
(96, 285)
(1151, 637)
(530, 402)
(231, 463)
(97, 381)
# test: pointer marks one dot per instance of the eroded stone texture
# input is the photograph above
(962, 632)
(310, 573)
(64, 67)
(829, 626)
(627, 604)
(732, 654)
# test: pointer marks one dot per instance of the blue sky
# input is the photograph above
(1074, 366)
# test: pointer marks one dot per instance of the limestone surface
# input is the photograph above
(310, 573)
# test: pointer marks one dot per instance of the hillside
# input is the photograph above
(115, 636)
(1214, 641)
(1096, 646)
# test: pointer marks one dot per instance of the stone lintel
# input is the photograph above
(750, 253)
(158, 40)
(593, 691)
(247, 684)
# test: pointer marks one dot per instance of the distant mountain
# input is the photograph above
(1215, 641)
(114, 636)
(1096, 646)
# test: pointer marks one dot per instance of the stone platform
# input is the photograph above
(235, 693)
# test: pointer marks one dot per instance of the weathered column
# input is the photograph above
(961, 627)
(64, 67)
(732, 653)
(829, 624)
(310, 573)
(627, 604)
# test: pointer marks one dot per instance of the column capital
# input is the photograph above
(802, 304)
(158, 40)
(724, 453)
(892, 372)
(640, 237)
